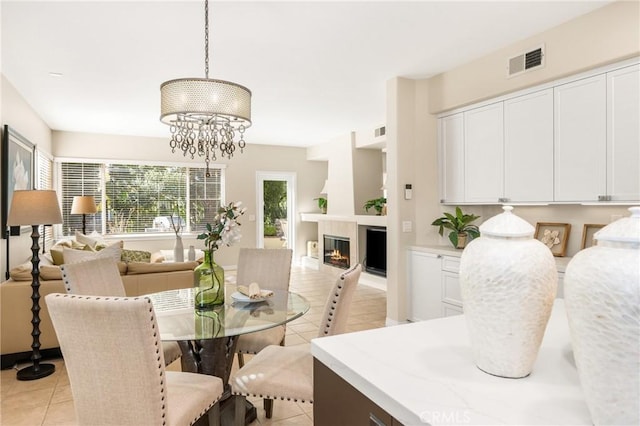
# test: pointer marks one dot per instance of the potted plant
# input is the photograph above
(460, 225)
(322, 204)
(377, 203)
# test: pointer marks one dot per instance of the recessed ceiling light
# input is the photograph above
(55, 74)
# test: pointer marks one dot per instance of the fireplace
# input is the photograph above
(336, 251)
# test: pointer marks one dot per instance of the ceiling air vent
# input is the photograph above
(525, 62)
(380, 131)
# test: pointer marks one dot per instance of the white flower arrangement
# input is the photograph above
(225, 228)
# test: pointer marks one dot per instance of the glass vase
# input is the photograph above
(209, 283)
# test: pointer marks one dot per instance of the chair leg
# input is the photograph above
(214, 415)
(240, 360)
(240, 413)
(268, 407)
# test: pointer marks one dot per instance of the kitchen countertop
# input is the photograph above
(424, 373)
(561, 262)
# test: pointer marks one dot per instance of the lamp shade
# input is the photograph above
(83, 204)
(34, 207)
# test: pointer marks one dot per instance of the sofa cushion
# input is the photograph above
(113, 251)
(135, 256)
(56, 250)
(134, 268)
(90, 240)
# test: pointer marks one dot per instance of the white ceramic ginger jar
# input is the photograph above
(508, 281)
(602, 297)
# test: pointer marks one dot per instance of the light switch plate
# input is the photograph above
(252, 218)
(406, 226)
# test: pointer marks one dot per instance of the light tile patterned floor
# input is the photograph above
(48, 401)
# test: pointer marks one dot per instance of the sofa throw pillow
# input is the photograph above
(56, 251)
(135, 256)
(83, 239)
(113, 251)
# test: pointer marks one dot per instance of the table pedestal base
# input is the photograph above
(215, 357)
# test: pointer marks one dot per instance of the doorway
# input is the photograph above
(276, 209)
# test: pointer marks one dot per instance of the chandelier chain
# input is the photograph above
(206, 38)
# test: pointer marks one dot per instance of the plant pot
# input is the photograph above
(508, 282)
(462, 241)
(602, 295)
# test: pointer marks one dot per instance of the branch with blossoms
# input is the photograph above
(225, 228)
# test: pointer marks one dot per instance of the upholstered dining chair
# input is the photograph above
(101, 277)
(114, 386)
(286, 372)
(271, 269)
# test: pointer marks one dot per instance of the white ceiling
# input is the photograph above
(317, 70)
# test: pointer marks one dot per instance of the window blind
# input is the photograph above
(140, 198)
(44, 173)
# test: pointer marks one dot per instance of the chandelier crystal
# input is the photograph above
(205, 115)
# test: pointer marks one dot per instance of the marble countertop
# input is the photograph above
(561, 262)
(423, 373)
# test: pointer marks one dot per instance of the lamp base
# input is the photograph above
(31, 373)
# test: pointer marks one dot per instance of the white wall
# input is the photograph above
(240, 174)
(15, 112)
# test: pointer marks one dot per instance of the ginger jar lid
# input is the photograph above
(626, 230)
(507, 225)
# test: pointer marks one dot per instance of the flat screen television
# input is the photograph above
(376, 251)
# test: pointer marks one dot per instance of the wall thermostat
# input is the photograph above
(407, 191)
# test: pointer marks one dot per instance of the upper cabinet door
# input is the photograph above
(623, 134)
(484, 155)
(528, 147)
(580, 140)
(452, 158)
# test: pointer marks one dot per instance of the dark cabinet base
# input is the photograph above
(337, 403)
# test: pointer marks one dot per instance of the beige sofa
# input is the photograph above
(15, 300)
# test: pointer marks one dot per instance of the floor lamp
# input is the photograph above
(83, 204)
(35, 208)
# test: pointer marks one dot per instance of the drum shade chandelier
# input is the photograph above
(205, 115)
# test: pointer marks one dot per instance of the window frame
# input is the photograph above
(58, 161)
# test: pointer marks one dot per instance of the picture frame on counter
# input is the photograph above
(588, 231)
(554, 236)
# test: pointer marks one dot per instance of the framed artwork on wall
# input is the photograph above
(554, 236)
(17, 171)
(588, 230)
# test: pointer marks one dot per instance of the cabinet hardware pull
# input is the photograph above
(374, 421)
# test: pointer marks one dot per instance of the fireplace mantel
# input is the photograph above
(359, 219)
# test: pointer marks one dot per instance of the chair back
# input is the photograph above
(111, 350)
(95, 277)
(270, 268)
(336, 310)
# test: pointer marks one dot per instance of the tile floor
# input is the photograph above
(48, 401)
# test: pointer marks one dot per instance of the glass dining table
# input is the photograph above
(208, 338)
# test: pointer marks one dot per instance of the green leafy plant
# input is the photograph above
(376, 203)
(458, 224)
(322, 204)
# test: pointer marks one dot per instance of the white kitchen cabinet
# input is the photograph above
(424, 285)
(528, 148)
(580, 131)
(483, 154)
(434, 282)
(623, 134)
(451, 137)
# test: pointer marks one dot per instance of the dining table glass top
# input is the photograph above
(178, 319)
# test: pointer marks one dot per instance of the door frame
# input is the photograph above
(290, 178)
